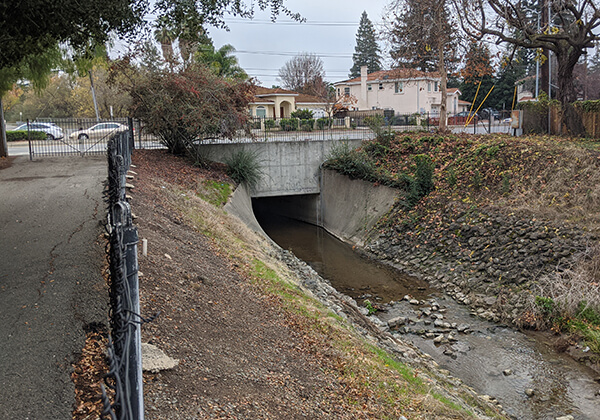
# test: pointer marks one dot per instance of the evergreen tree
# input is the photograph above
(366, 50)
(477, 69)
(419, 30)
(423, 37)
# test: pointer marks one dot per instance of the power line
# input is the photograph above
(294, 53)
(289, 23)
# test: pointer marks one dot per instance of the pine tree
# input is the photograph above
(366, 50)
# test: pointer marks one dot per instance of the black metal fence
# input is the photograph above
(79, 136)
(124, 353)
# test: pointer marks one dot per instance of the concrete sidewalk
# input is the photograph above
(51, 285)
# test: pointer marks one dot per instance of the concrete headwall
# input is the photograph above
(350, 208)
(289, 168)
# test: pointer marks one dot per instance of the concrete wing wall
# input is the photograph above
(350, 208)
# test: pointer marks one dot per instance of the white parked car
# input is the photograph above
(99, 131)
(53, 132)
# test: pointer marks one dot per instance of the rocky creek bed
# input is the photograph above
(522, 373)
(484, 259)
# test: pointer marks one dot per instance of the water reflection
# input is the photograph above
(350, 273)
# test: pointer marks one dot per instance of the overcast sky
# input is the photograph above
(329, 32)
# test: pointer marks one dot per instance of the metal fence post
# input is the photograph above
(134, 374)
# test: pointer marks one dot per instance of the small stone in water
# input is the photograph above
(413, 302)
(507, 372)
(529, 392)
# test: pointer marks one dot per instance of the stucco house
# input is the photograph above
(405, 91)
(280, 103)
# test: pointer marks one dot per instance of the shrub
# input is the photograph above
(269, 124)
(25, 135)
(422, 183)
(288, 124)
(303, 114)
(306, 125)
(180, 108)
(243, 166)
(323, 123)
(356, 164)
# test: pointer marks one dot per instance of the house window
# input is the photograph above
(261, 112)
(369, 87)
(435, 86)
(381, 86)
(428, 86)
(338, 91)
(399, 87)
(347, 91)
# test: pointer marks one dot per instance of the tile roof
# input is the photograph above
(269, 91)
(393, 74)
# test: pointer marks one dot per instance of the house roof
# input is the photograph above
(394, 74)
(452, 91)
(263, 91)
(461, 102)
(308, 99)
(262, 94)
(527, 98)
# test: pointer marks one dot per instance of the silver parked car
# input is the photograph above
(99, 131)
(53, 132)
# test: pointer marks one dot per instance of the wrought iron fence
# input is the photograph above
(124, 353)
(79, 136)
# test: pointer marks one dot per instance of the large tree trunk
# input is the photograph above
(443, 87)
(571, 121)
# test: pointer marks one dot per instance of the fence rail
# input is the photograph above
(124, 353)
(80, 136)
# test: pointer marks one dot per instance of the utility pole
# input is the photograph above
(94, 96)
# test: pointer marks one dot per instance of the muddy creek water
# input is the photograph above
(522, 371)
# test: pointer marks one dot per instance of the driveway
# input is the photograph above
(51, 284)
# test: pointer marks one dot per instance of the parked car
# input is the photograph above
(98, 131)
(486, 113)
(53, 132)
(463, 117)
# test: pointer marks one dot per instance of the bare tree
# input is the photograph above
(568, 33)
(303, 73)
(422, 37)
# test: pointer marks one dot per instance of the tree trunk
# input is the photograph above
(3, 142)
(443, 87)
(571, 121)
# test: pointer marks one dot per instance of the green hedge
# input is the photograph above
(288, 124)
(25, 135)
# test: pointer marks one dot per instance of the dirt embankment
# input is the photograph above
(243, 319)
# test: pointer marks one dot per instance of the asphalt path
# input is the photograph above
(51, 284)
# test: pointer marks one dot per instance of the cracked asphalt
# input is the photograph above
(51, 285)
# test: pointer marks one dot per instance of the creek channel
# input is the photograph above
(521, 370)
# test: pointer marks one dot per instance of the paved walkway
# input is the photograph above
(51, 285)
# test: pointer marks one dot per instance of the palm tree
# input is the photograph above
(220, 61)
(164, 34)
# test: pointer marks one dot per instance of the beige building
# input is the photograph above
(404, 91)
(280, 103)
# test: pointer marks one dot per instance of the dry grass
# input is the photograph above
(566, 190)
(571, 291)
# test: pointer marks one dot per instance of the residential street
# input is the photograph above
(51, 285)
